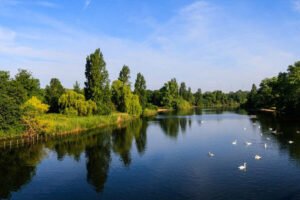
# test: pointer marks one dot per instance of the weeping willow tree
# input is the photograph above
(124, 100)
(72, 103)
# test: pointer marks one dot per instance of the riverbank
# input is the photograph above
(53, 124)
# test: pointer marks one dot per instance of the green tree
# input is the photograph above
(252, 98)
(30, 84)
(124, 75)
(140, 89)
(190, 97)
(124, 100)
(12, 96)
(183, 91)
(169, 94)
(72, 103)
(198, 98)
(76, 88)
(97, 82)
(53, 93)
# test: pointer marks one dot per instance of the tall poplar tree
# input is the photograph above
(124, 75)
(97, 82)
(140, 89)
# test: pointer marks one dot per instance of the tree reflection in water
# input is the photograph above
(18, 165)
(98, 160)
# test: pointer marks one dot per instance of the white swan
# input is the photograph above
(248, 143)
(258, 127)
(268, 138)
(243, 167)
(291, 142)
(234, 142)
(211, 154)
(266, 146)
(257, 157)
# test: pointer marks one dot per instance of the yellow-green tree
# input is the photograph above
(124, 100)
(72, 103)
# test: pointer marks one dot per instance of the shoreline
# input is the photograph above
(59, 125)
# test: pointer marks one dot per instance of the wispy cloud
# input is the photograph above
(87, 3)
(47, 4)
(200, 44)
(28, 3)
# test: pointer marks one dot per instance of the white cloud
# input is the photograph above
(7, 35)
(200, 45)
(47, 4)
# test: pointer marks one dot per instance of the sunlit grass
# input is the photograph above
(58, 123)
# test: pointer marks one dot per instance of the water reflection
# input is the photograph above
(98, 159)
(17, 168)
(18, 165)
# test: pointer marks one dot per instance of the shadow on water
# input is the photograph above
(18, 165)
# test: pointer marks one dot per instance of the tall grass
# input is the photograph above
(58, 123)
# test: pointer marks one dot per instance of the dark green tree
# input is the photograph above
(183, 91)
(30, 84)
(140, 89)
(53, 93)
(198, 97)
(170, 93)
(12, 95)
(252, 98)
(190, 97)
(97, 82)
(124, 75)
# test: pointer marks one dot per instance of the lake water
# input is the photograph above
(164, 157)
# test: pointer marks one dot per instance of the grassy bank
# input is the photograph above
(149, 112)
(61, 124)
(57, 123)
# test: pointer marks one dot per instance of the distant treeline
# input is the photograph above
(22, 98)
(281, 93)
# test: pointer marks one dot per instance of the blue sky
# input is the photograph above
(212, 44)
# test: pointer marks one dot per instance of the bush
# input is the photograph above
(182, 104)
(35, 106)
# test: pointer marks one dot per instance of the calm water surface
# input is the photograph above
(165, 157)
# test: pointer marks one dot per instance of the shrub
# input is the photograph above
(35, 106)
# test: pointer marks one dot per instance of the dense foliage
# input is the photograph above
(281, 93)
(140, 89)
(53, 93)
(124, 100)
(12, 95)
(97, 82)
(22, 99)
(72, 103)
(124, 75)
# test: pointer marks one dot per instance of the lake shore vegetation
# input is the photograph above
(27, 109)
